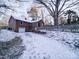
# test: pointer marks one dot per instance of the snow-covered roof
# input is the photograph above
(29, 20)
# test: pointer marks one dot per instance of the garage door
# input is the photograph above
(21, 29)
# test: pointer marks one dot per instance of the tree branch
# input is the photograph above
(5, 6)
(69, 6)
(52, 7)
(48, 8)
(62, 6)
(52, 2)
(2, 13)
(22, 1)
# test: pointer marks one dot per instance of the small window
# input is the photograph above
(21, 23)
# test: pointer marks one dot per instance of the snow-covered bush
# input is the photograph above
(11, 49)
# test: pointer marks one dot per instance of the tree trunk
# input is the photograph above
(56, 20)
(56, 13)
(69, 19)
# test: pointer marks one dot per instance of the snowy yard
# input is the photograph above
(53, 45)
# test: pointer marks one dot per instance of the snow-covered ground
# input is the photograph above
(64, 37)
(6, 35)
(47, 46)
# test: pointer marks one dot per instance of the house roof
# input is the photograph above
(28, 20)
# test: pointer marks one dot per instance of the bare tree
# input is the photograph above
(6, 7)
(57, 7)
(33, 13)
(22, 0)
(11, 5)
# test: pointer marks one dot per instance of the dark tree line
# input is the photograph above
(72, 15)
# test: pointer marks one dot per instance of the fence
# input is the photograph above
(66, 28)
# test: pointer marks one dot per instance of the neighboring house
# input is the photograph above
(24, 25)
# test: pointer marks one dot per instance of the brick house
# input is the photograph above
(23, 25)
